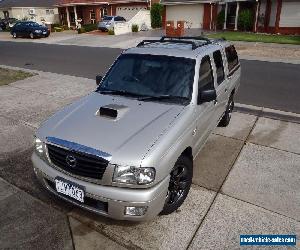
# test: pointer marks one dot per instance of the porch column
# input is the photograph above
(236, 15)
(211, 16)
(278, 13)
(225, 21)
(75, 15)
(68, 17)
(256, 16)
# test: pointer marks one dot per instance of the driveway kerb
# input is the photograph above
(269, 59)
(268, 113)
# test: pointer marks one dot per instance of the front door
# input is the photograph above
(204, 113)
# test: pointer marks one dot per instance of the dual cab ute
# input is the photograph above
(126, 150)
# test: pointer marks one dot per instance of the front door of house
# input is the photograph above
(72, 17)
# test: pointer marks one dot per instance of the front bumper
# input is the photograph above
(106, 200)
(105, 27)
(41, 34)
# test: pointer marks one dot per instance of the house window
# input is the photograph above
(50, 12)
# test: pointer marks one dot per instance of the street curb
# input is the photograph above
(270, 45)
(268, 113)
(268, 59)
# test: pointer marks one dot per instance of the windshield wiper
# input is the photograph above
(182, 99)
(118, 92)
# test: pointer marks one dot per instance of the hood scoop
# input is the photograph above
(112, 111)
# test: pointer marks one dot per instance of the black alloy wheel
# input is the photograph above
(179, 186)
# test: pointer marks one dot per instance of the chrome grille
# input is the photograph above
(86, 165)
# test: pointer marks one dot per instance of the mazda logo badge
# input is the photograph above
(71, 161)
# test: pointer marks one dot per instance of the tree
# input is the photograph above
(156, 15)
(245, 20)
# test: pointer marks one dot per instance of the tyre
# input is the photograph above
(14, 35)
(227, 115)
(31, 35)
(179, 186)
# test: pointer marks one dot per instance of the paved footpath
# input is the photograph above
(246, 181)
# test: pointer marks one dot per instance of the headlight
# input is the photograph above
(39, 147)
(133, 175)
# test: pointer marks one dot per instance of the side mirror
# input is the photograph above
(207, 96)
(98, 79)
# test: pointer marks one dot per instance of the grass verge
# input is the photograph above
(8, 76)
(254, 37)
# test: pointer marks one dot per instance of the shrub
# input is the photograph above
(90, 27)
(221, 19)
(156, 15)
(58, 29)
(111, 32)
(81, 30)
(245, 20)
(134, 28)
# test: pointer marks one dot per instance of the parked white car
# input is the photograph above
(108, 22)
(126, 151)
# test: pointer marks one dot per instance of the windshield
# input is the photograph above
(107, 18)
(33, 24)
(151, 76)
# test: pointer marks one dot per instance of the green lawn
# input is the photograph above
(8, 76)
(254, 37)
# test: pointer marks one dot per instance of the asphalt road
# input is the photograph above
(272, 85)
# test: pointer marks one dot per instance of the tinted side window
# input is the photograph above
(206, 79)
(219, 66)
(232, 57)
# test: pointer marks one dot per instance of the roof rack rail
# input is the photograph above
(183, 40)
(197, 38)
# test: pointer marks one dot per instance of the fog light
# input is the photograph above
(135, 211)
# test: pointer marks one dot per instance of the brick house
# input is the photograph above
(38, 11)
(91, 11)
(269, 16)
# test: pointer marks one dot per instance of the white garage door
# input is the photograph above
(192, 13)
(129, 12)
(290, 14)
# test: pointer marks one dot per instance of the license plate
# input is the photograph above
(44, 32)
(69, 189)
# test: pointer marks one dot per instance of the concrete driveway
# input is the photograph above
(246, 181)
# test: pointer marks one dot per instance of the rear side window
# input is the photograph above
(206, 79)
(232, 57)
(219, 66)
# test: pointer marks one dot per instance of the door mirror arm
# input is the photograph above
(206, 96)
(98, 79)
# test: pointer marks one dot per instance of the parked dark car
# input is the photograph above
(29, 29)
